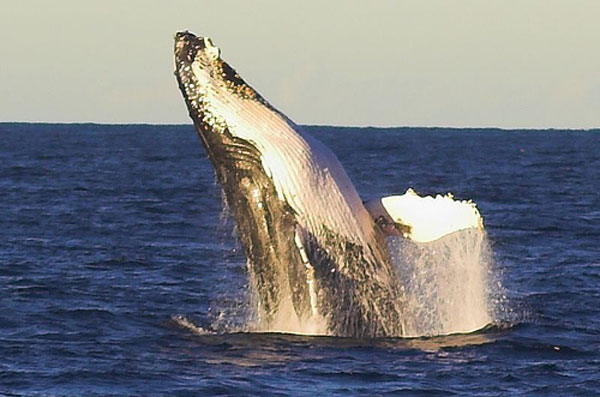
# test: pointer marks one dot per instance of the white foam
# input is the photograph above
(447, 283)
(183, 322)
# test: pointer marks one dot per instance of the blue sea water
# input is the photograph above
(111, 234)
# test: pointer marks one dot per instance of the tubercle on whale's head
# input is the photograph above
(195, 62)
(190, 48)
(199, 70)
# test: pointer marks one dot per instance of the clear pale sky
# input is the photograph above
(511, 64)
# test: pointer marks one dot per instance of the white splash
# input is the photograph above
(443, 261)
(183, 322)
(447, 282)
(287, 321)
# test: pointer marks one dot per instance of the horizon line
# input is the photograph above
(102, 123)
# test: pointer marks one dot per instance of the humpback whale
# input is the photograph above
(312, 247)
(316, 255)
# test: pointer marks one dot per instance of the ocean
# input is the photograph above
(120, 272)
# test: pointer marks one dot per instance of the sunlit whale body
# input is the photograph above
(314, 252)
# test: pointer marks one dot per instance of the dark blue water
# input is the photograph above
(109, 232)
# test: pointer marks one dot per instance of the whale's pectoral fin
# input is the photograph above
(300, 238)
(423, 219)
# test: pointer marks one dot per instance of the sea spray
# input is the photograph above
(447, 282)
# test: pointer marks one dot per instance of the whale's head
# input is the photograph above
(199, 70)
(208, 85)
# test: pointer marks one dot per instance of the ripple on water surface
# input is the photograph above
(112, 235)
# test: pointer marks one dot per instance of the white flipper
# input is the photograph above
(424, 219)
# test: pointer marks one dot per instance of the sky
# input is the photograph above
(461, 63)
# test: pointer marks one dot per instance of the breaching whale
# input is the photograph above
(316, 256)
